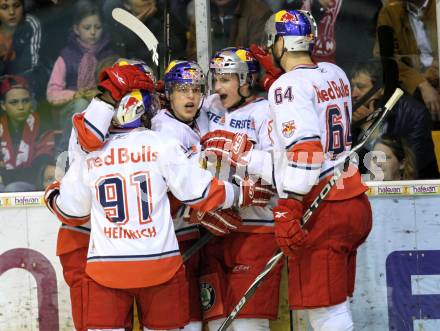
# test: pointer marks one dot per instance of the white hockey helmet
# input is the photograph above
(235, 60)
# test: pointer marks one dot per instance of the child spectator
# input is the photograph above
(73, 83)
(396, 162)
(20, 41)
(22, 146)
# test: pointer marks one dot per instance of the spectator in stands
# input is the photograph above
(409, 119)
(20, 41)
(392, 159)
(413, 23)
(234, 23)
(73, 82)
(325, 13)
(150, 12)
(22, 144)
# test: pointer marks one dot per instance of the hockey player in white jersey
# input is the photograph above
(133, 250)
(73, 241)
(311, 111)
(185, 89)
(231, 263)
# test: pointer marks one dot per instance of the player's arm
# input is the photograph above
(297, 131)
(70, 200)
(297, 128)
(197, 187)
(93, 123)
(114, 82)
(260, 161)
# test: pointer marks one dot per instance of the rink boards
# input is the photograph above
(398, 278)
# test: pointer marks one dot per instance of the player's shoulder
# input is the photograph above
(211, 103)
(331, 67)
(164, 121)
(257, 108)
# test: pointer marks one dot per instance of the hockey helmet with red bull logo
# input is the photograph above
(235, 60)
(131, 108)
(140, 64)
(184, 73)
(297, 27)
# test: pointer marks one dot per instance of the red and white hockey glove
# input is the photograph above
(51, 192)
(119, 80)
(288, 232)
(253, 193)
(265, 60)
(234, 148)
(219, 222)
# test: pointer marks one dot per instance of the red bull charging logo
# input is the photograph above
(285, 17)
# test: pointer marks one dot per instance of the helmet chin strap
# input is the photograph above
(240, 102)
(278, 60)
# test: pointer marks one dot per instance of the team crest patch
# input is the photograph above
(288, 128)
(207, 296)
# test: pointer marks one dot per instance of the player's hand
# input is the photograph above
(52, 190)
(265, 60)
(235, 148)
(289, 235)
(120, 80)
(219, 222)
(253, 193)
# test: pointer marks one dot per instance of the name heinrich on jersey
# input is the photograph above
(123, 155)
(333, 92)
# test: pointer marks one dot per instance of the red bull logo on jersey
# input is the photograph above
(288, 128)
(333, 91)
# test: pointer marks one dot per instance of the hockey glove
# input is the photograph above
(288, 232)
(119, 80)
(51, 192)
(265, 60)
(253, 193)
(219, 222)
(233, 147)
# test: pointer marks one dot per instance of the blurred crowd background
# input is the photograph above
(52, 51)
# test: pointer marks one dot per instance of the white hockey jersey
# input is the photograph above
(311, 111)
(189, 139)
(124, 189)
(70, 237)
(251, 118)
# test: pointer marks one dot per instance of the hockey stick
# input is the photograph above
(321, 196)
(197, 245)
(132, 23)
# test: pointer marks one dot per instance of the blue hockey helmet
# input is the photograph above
(297, 27)
(184, 73)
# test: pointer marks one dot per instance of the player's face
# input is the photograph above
(89, 30)
(227, 85)
(185, 101)
(17, 104)
(11, 12)
(390, 167)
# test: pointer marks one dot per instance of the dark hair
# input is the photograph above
(372, 68)
(401, 149)
(83, 9)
